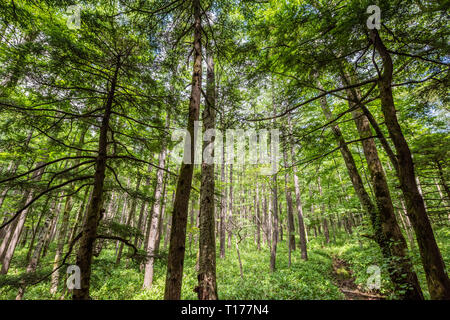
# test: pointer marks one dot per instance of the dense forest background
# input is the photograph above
(96, 204)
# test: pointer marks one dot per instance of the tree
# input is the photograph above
(207, 287)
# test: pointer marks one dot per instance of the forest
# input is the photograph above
(224, 149)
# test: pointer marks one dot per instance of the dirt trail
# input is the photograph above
(346, 282)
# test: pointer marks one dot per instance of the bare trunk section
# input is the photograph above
(322, 213)
(207, 286)
(258, 218)
(154, 221)
(223, 204)
(298, 201)
(387, 230)
(60, 244)
(290, 210)
(32, 265)
(93, 216)
(274, 207)
(230, 208)
(15, 228)
(129, 217)
(437, 278)
(179, 215)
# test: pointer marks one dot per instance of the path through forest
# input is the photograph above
(345, 280)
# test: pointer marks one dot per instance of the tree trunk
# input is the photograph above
(207, 286)
(230, 208)
(442, 179)
(258, 218)
(274, 211)
(322, 213)
(11, 239)
(179, 215)
(32, 265)
(298, 201)
(154, 221)
(437, 278)
(60, 245)
(79, 217)
(290, 211)
(386, 228)
(93, 216)
(241, 270)
(223, 204)
(265, 224)
(130, 216)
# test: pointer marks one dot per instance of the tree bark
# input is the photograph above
(93, 216)
(207, 286)
(230, 208)
(15, 228)
(60, 244)
(437, 278)
(387, 231)
(32, 265)
(322, 213)
(223, 205)
(290, 211)
(258, 217)
(154, 221)
(175, 263)
(274, 211)
(298, 201)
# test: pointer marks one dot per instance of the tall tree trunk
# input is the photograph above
(175, 262)
(223, 204)
(154, 223)
(265, 224)
(322, 213)
(144, 206)
(168, 226)
(93, 215)
(274, 212)
(207, 286)
(156, 215)
(32, 265)
(387, 230)
(298, 200)
(60, 245)
(50, 234)
(290, 211)
(241, 270)
(80, 216)
(442, 179)
(130, 216)
(444, 202)
(258, 218)
(37, 229)
(230, 208)
(163, 209)
(437, 278)
(15, 228)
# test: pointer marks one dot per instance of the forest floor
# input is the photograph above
(336, 271)
(345, 280)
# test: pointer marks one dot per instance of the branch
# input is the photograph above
(135, 250)
(313, 99)
(40, 195)
(44, 165)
